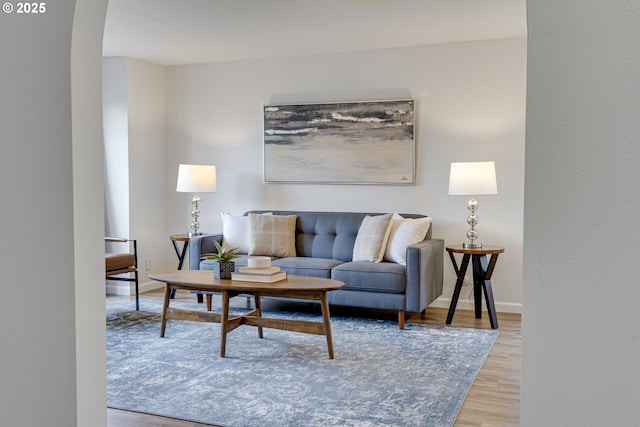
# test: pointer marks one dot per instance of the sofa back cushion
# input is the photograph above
(330, 235)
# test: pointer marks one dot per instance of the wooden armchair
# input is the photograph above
(121, 263)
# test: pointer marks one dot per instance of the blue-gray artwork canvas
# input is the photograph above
(340, 143)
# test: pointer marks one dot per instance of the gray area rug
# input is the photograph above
(381, 376)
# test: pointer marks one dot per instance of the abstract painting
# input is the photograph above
(368, 142)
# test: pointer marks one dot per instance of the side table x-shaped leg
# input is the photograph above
(181, 254)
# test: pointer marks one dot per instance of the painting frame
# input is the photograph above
(355, 142)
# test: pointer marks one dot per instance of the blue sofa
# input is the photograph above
(324, 248)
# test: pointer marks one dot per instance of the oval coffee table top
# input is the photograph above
(204, 280)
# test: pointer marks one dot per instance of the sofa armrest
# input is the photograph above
(199, 245)
(425, 265)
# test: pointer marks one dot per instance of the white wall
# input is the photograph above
(116, 142)
(88, 221)
(580, 321)
(470, 105)
(147, 171)
(134, 128)
(52, 370)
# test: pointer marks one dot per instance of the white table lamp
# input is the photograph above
(196, 179)
(472, 179)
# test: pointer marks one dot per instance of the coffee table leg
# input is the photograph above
(167, 294)
(224, 322)
(324, 304)
(256, 300)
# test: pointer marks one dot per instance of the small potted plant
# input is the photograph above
(224, 265)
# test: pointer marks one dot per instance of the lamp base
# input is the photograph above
(467, 245)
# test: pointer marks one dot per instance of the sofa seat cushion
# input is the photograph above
(372, 277)
(241, 261)
(304, 266)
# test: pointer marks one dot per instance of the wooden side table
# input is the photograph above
(181, 253)
(482, 271)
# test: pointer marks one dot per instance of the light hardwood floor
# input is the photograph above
(494, 398)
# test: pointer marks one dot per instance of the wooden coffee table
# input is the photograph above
(299, 287)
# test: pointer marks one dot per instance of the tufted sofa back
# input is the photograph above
(329, 235)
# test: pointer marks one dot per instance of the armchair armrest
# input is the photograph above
(117, 240)
(199, 245)
(425, 265)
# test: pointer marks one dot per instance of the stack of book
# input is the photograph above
(262, 275)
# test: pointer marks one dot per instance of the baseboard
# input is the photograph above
(467, 304)
(129, 288)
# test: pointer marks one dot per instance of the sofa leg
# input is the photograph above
(400, 319)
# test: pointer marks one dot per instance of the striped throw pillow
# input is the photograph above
(372, 237)
(272, 235)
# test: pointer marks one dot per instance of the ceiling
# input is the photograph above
(171, 32)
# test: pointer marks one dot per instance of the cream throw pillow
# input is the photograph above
(405, 232)
(235, 231)
(372, 237)
(272, 235)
